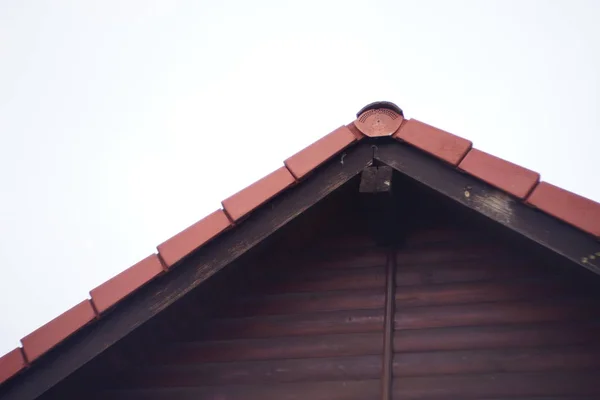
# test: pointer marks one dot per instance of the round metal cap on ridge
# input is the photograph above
(381, 118)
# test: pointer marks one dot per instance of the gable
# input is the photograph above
(474, 315)
(559, 225)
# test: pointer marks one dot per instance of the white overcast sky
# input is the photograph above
(123, 122)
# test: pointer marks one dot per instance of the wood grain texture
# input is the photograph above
(353, 321)
(492, 386)
(325, 280)
(496, 336)
(297, 303)
(388, 350)
(271, 348)
(483, 292)
(300, 327)
(376, 180)
(451, 253)
(568, 358)
(347, 257)
(496, 313)
(257, 372)
(337, 390)
(473, 326)
(463, 272)
(380, 206)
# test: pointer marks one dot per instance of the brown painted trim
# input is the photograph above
(162, 292)
(388, 334)
(538, 227)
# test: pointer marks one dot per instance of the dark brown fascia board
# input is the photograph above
(159, 294)
(542, 229)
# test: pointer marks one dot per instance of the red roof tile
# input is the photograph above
(49, 335)
(258, 193)
(188, 240)
(320, 151)
(11, 363)
(571, 208)
(444, 145)
(379, 122)
(123, 284)
(357, 133)
(568, 207)
(505, 175)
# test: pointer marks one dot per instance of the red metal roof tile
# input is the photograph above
(444, 145)
(49, 335)
(11, 363)
(320, 151)
(568, 207)
(258, 193)
(191, 238)
(123, 284)
(505, 175)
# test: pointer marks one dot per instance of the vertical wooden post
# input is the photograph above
(388, 334)
(382, 214)
(378, 204)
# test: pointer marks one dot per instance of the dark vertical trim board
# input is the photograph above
(388, 338)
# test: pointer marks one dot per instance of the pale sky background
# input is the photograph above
(123, 122)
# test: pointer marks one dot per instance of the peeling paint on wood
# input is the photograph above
(497, 205)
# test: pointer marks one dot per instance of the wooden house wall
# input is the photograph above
(473, 319)
(312, 330)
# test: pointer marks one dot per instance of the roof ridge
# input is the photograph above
(379, 119)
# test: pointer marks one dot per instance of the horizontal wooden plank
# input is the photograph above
(451, 387)
(496, 313)
(337, 390)
(256, 372)
(315, 280)
(444, 235)
(347, 258)
(468, 271)
(493, 337)
(480, 292)
(498, 360)
(356, 344)
(355, 321)
(542, 398)
(452, 253)
(297, 303)
(343, 241)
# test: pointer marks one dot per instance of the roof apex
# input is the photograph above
(381, 118)
(380, 104)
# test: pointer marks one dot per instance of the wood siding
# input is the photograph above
(313, 331)
(472, 319)
(475, 320)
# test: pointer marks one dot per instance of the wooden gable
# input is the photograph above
(406, 267)
(453, 309)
